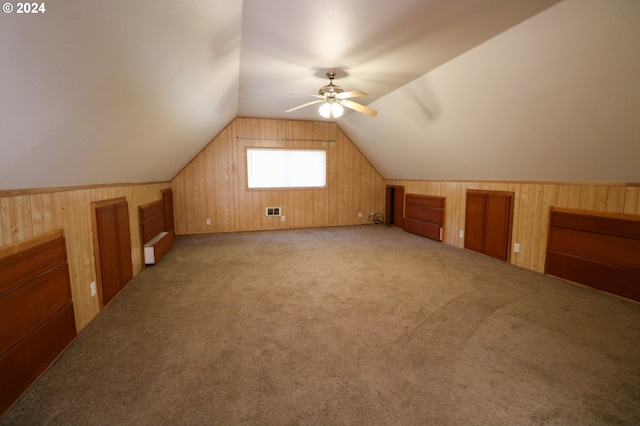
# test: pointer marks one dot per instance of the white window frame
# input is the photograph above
(285, 168)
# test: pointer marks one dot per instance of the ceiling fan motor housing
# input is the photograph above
(330, 90)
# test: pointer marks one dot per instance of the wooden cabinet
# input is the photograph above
(167, 207)
(37, 320)
(156, 227)
(113, 247)
(598, 249)
(424, 215)
(488, 220)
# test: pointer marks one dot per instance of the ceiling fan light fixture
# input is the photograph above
(334, 100)
(331, 110)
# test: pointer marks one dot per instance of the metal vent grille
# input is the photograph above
(273, 211)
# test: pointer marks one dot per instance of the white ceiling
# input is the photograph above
(372, 45)
(130, 91)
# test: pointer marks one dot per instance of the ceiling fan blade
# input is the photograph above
(353, 94)
(305, 105)
(360, 108)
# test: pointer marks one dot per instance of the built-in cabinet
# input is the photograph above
(424, 215)
(601, 250)
(37, 320)
(488, 221)
(113, 247)
(156, 227)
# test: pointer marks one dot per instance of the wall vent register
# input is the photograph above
(273, 211)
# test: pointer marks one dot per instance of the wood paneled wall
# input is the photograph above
(214, 185)
(531, 208)
(27, 214)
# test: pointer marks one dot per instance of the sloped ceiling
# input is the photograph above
(556, 98)
(114, 91)
(130, 91)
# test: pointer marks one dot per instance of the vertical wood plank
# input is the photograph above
(25, 216)
(531, 208)
(216, 179)
(632, 200)
(5, 221)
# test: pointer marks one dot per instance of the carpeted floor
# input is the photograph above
(364, 325)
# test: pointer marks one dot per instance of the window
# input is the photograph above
(285, 168)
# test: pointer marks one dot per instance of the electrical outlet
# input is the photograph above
(516, 248)
(208, 222)
(359, 214)
(283, 218)
(461, 234)
(94, 289)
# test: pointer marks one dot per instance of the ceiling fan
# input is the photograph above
(333, 99)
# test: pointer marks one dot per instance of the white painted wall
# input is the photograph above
(556, 98)
(117, 91)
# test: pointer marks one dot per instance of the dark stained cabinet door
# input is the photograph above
(497, 226)
(113, 236)
(167, 204)
(474, 221)
(488, 222)
(124, 243)
(106, 222)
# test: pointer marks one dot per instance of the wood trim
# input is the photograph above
(35, 191)
(286, 139)
(520, 182)
(25, 245)
(491, 192)
(102, 203)
(22, 267)
(612, 215)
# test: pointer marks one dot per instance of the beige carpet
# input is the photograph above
(363, 325)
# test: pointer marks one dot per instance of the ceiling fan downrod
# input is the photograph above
(330, 90)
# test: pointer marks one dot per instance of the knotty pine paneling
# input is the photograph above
(531, 208)
(214, 185)
(34, 212)
(632, 200)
